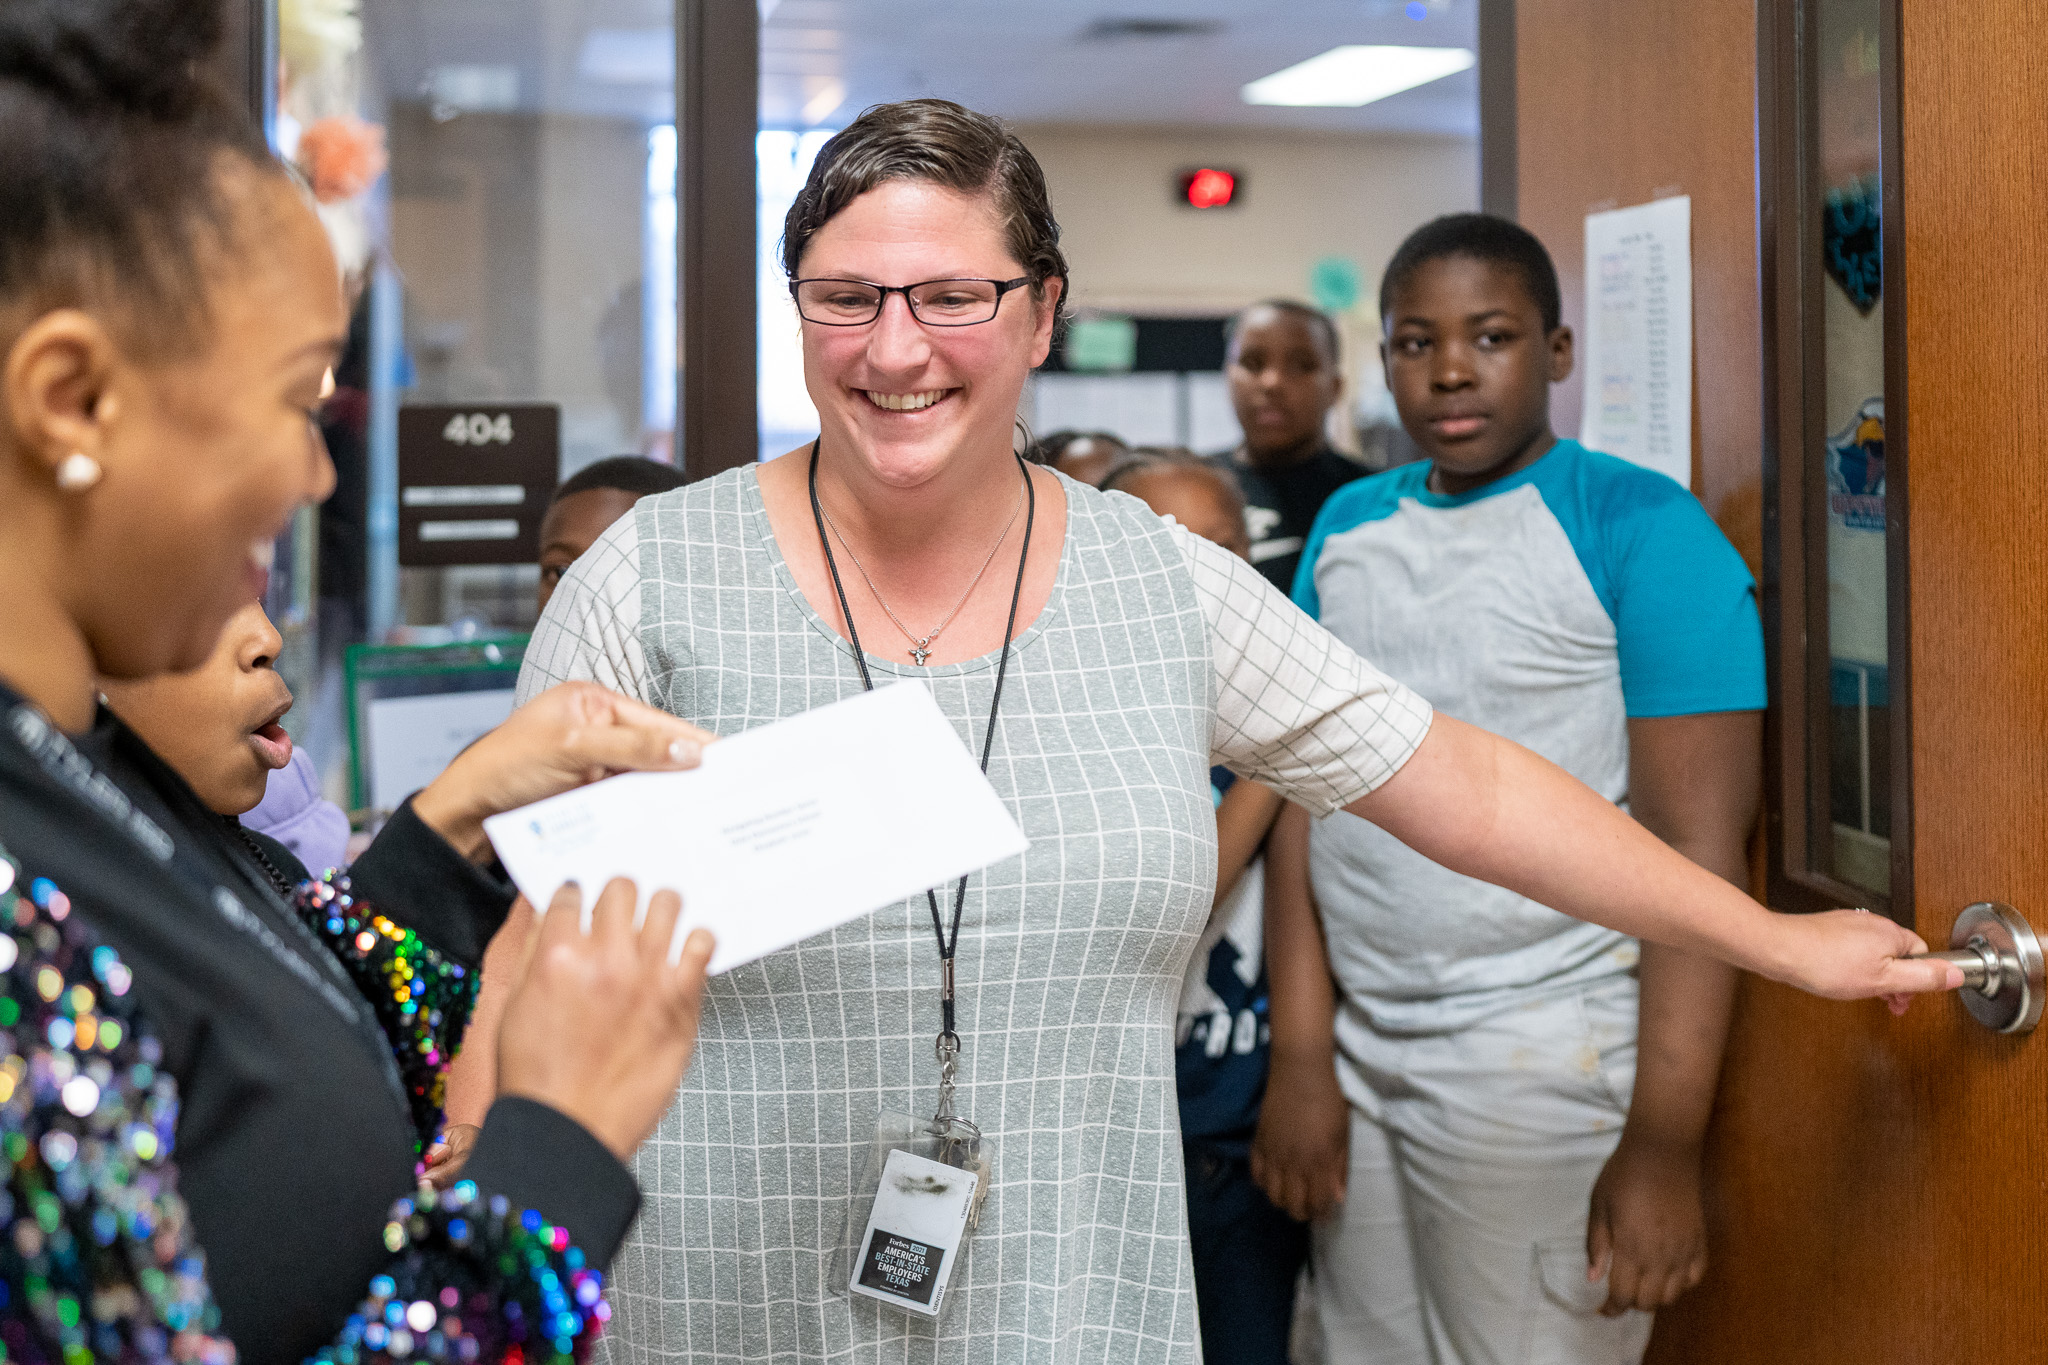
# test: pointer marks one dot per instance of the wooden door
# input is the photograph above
(1882, 1184)
(1878, 1186)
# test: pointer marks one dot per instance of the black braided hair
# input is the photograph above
(113, 136)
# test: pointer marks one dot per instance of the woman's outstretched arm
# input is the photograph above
(1491, 809)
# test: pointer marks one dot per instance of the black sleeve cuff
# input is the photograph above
(540, 1158)
(419, 880)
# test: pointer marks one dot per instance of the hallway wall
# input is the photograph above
(1619, 102)
(1307, 196)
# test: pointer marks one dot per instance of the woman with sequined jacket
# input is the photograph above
(213, 1097)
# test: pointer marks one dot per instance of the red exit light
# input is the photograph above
(1209, 188)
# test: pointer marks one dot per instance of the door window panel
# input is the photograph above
(1834, 455)
(1856, 847)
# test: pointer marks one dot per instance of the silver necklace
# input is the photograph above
(921, 646)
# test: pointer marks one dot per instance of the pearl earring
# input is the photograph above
(77, 472)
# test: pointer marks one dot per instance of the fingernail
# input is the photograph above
(684, 753)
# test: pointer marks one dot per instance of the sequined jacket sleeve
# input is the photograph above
(414, 876)
(410, 922)
(478, 1270)
(98, 1258)
(529, 1153)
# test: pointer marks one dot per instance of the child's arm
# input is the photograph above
(1241, 824)
(1302, 1150)
(1694, 782)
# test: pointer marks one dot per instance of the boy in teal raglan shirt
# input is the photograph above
(1496, 1112)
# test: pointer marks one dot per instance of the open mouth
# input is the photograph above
(272, 745)
(908, 402)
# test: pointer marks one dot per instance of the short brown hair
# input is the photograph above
(939, 142)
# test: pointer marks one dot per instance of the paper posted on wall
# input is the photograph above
(1636, 353)
(781, 833)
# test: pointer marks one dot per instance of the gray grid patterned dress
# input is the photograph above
(1155, 653)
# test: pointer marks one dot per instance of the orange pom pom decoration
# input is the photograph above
(342, 156)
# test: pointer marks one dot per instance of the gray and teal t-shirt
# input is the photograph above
(1550, 607)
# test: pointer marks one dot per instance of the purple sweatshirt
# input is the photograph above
(293, 812)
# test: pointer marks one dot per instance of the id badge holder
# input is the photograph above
(915, 1209)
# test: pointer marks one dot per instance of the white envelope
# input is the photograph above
(783, 832)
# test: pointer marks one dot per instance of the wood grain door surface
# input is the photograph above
(1883, 1184)
(1878, 1186)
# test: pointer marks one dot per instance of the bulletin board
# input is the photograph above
(413, 708)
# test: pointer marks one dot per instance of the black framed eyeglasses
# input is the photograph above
(935, 303)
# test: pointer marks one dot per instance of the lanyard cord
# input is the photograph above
(947, 945)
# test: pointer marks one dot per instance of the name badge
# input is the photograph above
(914, 1233)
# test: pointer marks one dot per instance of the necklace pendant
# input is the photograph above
(919, 653)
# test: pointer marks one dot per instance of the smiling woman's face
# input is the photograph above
(906, 400)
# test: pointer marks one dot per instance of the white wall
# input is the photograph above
(593, 186)
(1133, 248)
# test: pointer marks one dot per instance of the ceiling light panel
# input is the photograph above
(777, 39)
(1353, 75)
(461, 88)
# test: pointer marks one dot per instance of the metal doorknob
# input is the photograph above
(2002, 967)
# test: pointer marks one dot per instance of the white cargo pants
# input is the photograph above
(1462, 1236)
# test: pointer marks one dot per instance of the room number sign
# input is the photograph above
(478, 429)
(473, 480)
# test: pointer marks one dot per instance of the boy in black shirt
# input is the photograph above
(1284, 380)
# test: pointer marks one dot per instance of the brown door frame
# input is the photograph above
(718, 63)
(1497, 159)
(1795, 484)
(246, 61)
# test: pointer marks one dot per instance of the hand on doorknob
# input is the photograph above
(1853, 954)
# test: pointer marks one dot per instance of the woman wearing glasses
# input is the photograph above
(1100, 660)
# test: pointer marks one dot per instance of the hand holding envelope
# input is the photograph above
(783, 832)
(602, 1022)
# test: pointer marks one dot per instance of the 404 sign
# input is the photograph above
(479, 429)
(473, 480)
